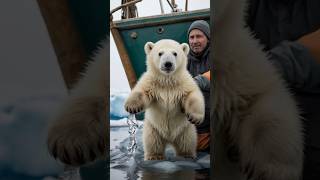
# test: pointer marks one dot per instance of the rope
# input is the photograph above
(161, 6)
(123, 6)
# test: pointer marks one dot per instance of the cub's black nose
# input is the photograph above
(168, 65)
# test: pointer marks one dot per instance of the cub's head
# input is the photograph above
(166, 56)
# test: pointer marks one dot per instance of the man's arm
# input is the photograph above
(297, 64)
(203, 81)
(312, 42)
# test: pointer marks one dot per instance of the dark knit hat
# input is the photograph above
(202, 26)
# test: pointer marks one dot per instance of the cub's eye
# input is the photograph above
(160, 53)
(175, 54)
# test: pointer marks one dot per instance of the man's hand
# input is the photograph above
(206, 75)
(203, 81)
(312, 42)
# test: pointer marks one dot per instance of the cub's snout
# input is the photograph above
(168, 62)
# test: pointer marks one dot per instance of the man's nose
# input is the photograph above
(195, 40)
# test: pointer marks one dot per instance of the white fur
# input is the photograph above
(254, 110)
(79, 134)
(167, 98)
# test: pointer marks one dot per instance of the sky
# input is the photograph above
(118, 79)
(28, 63)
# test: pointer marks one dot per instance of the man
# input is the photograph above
(290, 32)
(199, 68)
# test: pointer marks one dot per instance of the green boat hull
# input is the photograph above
(134, 33)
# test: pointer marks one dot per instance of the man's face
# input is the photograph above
(197, 41)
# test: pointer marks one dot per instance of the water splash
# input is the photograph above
(133, 126)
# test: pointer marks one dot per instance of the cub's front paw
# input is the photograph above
(80, 133)
(195, 118)
(194, 110)
(135, 103)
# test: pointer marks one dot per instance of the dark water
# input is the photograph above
(151, 175)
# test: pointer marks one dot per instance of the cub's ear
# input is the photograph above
(185, 48)
(148, 47)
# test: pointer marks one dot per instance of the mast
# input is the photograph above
(66, 41)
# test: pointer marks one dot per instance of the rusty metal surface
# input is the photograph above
(125, 59)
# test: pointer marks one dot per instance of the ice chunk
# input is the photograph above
(162, 166)
(188, 164)
(204, 161)
(117, 110)
(171, 165)
(28, 117)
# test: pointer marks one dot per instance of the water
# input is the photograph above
(124, 166)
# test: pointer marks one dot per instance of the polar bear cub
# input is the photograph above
(172, 101)
(258, 130)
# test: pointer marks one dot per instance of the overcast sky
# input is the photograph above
(28, 64)
(118, 80)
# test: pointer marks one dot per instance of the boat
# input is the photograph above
(131, 34)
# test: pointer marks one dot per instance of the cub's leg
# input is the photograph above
(79, 133)
(186, 142)
(193, 106)
(154, 144)
(270, 140)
